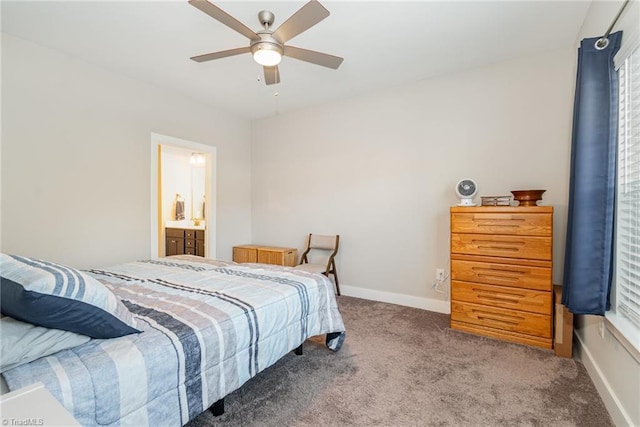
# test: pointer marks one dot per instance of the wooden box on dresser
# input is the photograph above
(501, 272)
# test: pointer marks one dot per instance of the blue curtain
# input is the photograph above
(588, 265)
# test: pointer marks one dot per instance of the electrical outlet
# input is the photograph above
(439, 274)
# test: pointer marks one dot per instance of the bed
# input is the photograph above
(206, 327)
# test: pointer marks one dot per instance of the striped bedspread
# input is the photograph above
(208, 327)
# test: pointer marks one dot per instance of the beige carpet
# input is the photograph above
(404, 367)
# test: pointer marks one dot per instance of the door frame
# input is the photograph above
(157, 228)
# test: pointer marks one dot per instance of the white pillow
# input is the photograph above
(23, 342)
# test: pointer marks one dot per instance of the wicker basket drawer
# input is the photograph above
(266, 255)
(501, 296)
(518, 276)
(502, 223)
(501, 318)
(526, 247)
(245, 254)
(278, 256)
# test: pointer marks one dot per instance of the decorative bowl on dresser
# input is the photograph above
(527, 197)
(501, 272)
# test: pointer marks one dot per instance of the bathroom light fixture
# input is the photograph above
(197, 159)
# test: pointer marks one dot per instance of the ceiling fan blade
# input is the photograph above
(306, 17)
(318, 58)
(216, 13)
(271, 75)
(221, 54)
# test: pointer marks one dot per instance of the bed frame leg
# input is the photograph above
(298, 350)
(217, 408)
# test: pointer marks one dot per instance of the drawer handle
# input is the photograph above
(500, 274)
(499, 225)
(499, 277)
(504, 318)
(502, 222)
(498, 246)
(501, 219)
(491, 319)
(512, 298)
(492, 242)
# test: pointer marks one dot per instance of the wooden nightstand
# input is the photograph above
(266, 255)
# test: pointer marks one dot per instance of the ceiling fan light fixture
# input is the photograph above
(267, 46)
(267, 54)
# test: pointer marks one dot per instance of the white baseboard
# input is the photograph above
(439, 306)
(606, 392)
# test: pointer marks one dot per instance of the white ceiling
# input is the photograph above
(384, 43)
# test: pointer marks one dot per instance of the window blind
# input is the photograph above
(628, 201)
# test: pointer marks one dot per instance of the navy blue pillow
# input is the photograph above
(56, 296)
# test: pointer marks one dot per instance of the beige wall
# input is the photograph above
(380, 170)
(76, 163)
(614, 371)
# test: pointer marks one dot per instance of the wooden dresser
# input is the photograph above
(184, 241)
(501, 272)
(266, 255)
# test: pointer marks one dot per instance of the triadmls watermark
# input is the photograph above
(23, 421)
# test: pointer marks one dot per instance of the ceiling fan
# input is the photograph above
(267, 46)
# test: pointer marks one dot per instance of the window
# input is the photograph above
(627, 280)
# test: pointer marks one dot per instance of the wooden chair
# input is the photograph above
(319, 256)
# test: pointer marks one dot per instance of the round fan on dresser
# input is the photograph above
(465, 190)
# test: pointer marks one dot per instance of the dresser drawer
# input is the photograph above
(189, 234)
(500, 318)
(503, 297)
(526, 247)
(502, 223)
(502, 334)
(518, 276)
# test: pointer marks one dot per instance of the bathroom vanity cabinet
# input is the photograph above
(184, 241)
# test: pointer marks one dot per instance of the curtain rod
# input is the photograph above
(604, 40)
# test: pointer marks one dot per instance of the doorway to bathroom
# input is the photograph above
(183, 183)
